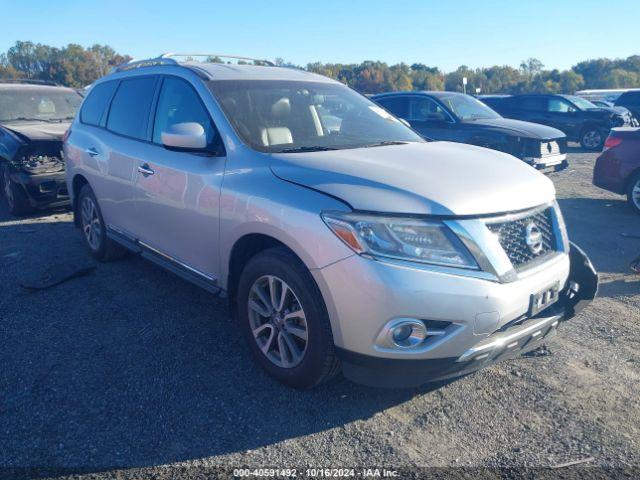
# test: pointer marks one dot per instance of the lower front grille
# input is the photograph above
(527, 238)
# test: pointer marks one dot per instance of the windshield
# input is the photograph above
(38, 103)
(288, 116)
(466, 107)
(580, 102)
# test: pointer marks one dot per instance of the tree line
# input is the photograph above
(77, 66)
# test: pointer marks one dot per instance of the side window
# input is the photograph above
(130, 108)
(399, 106)
(426, 110)
(96, 103)
(559, 105)
(532, 104)
(631, 98)
(180, 103)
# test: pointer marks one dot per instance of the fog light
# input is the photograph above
(401, 333)
(408, 333)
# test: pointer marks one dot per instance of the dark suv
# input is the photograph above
(33, 120)
(456, 117)
(631, 101)
(579, 119)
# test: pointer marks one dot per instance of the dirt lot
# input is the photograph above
(133, 368)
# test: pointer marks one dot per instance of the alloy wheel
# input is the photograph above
(277, 321)
(91, 225)
(592, 139)
(635, 194)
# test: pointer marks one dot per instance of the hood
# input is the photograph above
(434, 178)
(38, 131)
(522, 129)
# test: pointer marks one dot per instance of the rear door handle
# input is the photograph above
(92, 152)
(146, 170)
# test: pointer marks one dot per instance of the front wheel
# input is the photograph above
(633, 193)
(592, 139)
(285, 320)
(14, 194)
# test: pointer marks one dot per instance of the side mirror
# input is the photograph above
(402, 120)
(187, 136)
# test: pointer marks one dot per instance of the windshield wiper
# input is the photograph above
(34, 119)
(316, 148)
(385, 143)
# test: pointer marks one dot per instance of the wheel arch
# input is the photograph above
(244, 249)
(77, 183)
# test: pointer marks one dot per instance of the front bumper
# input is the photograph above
(44, 190)
(466, 350)
(548, 164)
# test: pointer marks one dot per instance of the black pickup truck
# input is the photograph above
(579, 119)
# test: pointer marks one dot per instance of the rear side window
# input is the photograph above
(533, 104)
(96, 103)
(629, 98)
(130, 108)
(179, 103)
(399, 106)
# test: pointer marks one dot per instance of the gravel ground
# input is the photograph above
(131, 372)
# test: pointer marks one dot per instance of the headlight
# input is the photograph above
(403, 238)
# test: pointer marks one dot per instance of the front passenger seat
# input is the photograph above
(277, 135)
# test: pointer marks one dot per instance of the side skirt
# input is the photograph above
(167, 262)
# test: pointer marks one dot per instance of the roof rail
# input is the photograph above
(217, 55)
(149, 62)
(31, 81)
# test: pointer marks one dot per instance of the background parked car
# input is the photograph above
(579, 119)
(456, 117)
(631, 101)
(33, 120)
(617, 169)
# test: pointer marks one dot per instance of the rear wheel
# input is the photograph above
(14, 194)
(592, 139)
(285, 321)
(633, 192)
(94, 229)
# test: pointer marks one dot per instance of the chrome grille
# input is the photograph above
(512, 235)
(549, 148)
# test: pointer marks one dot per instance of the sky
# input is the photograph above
(442, 33)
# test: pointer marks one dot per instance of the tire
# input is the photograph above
(94, 230)
(592, 138)
(15, 196)
(633, 192)
(274, 329)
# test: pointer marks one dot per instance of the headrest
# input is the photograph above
(281, 108)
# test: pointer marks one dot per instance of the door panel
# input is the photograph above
(178, 206)
(177, 192)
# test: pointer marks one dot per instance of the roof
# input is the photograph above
(223, 71)
(432, 93)
(258, 70)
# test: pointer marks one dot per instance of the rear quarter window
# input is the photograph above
(96, 103)
(131, 106)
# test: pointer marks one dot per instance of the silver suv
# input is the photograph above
(342, 239)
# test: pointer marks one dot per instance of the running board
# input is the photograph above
(165, 261)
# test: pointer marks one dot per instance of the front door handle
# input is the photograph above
(146, 170)
(92, 152)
